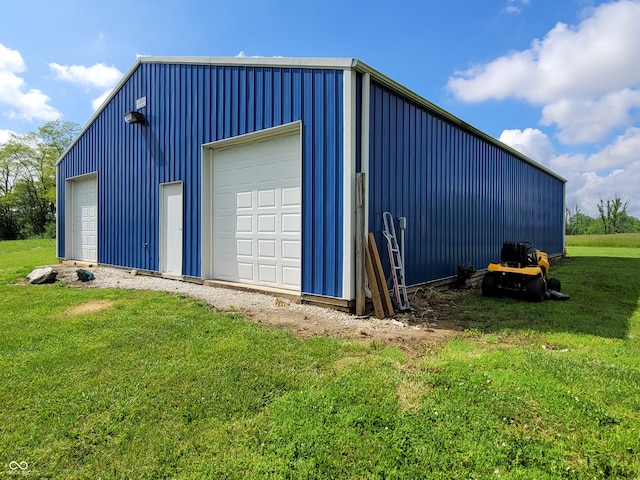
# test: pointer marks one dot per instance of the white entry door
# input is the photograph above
(85, 219)
(257, 212)
(171, 228)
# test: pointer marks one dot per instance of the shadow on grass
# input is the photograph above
(604, 296)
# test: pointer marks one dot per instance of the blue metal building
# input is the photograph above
(243, 170)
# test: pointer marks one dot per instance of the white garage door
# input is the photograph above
(85, 220)
(257, 212)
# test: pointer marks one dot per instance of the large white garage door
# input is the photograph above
(257, 212)
(85, 220)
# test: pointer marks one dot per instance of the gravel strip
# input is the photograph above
(221, 298)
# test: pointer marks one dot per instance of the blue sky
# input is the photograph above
(558, 80)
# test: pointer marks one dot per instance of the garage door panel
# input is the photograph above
(267, 249)
(264, 213)
(290, 277)
(244, 200)
(226, 225)
(245, 247)
(227, 270)
(84, 219)
(244, 176)
(291, 223)
(267, 224)
(268, 173)
(291, 249)
(268, 274)
(245, 272)
(291, 197)
(244, 224)
(267, 198)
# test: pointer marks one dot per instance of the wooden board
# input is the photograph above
(373, 286)
(382, 284)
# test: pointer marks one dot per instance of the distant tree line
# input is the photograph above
(28, 180)
(613, 217)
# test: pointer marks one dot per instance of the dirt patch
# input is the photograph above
(432, 320)
(434, 317)
(88, 308)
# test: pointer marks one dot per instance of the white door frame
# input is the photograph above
(69, 206)
(206, 179)
(171, 266)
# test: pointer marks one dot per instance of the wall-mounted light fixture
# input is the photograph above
(134, 117)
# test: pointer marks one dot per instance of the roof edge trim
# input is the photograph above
(416, 98)
(284, 62)
(319, 62)
(101, 108)
(291, 62)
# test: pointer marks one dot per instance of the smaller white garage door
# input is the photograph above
(85, 220)
(257, 212)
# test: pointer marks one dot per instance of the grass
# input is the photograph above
(19, 257)
(622, 245)
(124, 384)
(619, 240)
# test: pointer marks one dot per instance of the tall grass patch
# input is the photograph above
(618, 240)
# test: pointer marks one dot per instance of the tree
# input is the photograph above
(574, 218)
(27, 188)
(613, 214)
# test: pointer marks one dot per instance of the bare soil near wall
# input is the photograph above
(432, 320)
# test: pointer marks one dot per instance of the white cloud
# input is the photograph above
(585, 78)
(619, 182)
(97, 102)
(23, 104)
(5, 135)
(515, 6)
(531, 142)
(11, 60)
(587, 121)
(98, 75)
(592, 59)
(623, 152)
(613, 170)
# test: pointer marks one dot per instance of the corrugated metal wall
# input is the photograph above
(187, 106)
(462, 196)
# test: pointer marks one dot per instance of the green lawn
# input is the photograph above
(619, 240)
(124, 384)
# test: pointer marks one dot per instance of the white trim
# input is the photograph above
(288, 62)
(58, 216)
(162, 261)
(206, 183)
(206, 225)
(564, 218)
(68, 218)
(69, 214)
(348, 186)
(364, 145)
(259, 134)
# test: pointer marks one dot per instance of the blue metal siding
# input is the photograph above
(190, 105)
(462, 195)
